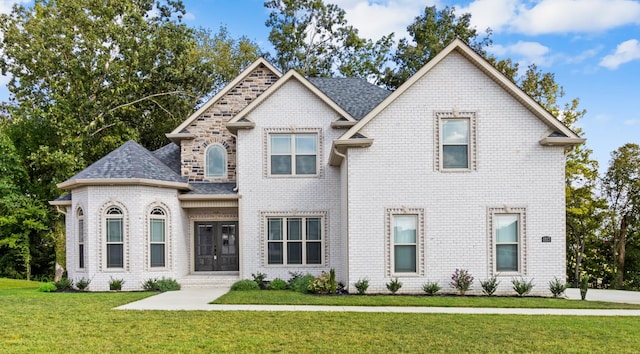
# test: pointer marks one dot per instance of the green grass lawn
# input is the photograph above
(85, 322)
(284, 297)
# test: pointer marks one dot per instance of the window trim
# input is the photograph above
(102, 242)
(164, 218)
(117, 214)
(520, 212)
(81, 257)
(390, 243)
(439, 143)
(268, 132)
(209, 148)
(324, 237)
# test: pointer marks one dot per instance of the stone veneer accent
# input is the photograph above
(209, 128)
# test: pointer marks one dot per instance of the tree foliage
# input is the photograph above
(315, 39)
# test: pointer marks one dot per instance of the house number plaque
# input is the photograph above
(546, 238)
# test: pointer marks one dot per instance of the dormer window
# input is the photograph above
(216, 161)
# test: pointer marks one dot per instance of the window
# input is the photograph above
(404, 239)
(507, 236)
(294, 240)
(216, 161)
(405, 243)
(455, 139)
(157, 238)
(293, 154)
(80, 219)
(115, 238)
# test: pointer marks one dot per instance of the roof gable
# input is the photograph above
(128, 164)
(241, 120)
(555, 126)
(241, 77)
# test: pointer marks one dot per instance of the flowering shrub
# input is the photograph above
(461, 280)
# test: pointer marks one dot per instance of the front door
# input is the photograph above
(216, 246)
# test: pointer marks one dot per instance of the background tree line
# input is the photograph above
(87, 76)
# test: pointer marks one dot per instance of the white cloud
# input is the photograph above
(6, 5)
(632, 122)
(524, 53)
(494, 14)
(374, 19)
(625, 52)
(189, 16)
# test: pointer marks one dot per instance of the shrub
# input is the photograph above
(259, 279)
(362, 285)
(394, 285)
(557, 287)
(162, 285)
(64, 284)
(301, 283)
(431, 287)
(47, 288)
(278, 284)
(584, 286)
(245, 285)
(325, 283)
(490, 285)
(116, 284)
(522, 287)
(461, 280)
(83, 284)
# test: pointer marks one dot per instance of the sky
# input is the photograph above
(591, 46)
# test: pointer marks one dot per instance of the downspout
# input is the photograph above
(346, 211)
(60, 210)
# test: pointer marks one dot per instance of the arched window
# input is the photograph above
(216, 161)
(114, 221)
(157, 238)
(80, 218)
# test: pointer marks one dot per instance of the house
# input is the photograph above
(278, 173)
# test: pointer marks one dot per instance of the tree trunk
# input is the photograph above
(579, 254)
(620, 251)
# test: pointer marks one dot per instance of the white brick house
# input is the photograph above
(457, 168)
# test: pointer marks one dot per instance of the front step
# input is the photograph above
(208, 280)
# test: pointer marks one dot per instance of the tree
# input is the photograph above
(621, 188)
(431, 32)
(315, 39)
(87, 76)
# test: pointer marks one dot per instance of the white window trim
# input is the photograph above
(102, 242)
(167, 236)
(206, 164)
(390, 260)
(293, 131)
(324, 238)
(80, 217)
(521, 212)
(472, 145)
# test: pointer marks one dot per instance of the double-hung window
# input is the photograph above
(81, 249)
(294, 240)
(455, 137)
(507, 238)
(115, 238)
(157, 238)
(405, 243)
(293, 154)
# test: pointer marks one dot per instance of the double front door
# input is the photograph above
(216, 246)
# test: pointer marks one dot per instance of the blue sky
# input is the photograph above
(592, 46)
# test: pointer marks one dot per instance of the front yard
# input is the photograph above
(85, 322)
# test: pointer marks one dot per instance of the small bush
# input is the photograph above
(47, 288)
(64, 284)
(461, 280)
(325, 283)
(259, 278)
(362, 285)
(522, 287)
(394, 285)
(83, 284)
(245, 285)
(162, 285)
(278, 284)
(301, 284)
(116, 284)
(490, 285)
(557, 287)
(584, 286)
(431, 287)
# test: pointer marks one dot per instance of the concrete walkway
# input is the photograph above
(190, 299)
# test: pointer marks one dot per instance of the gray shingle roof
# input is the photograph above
(356, 96)
(211, 188)
(170, 156)
(129, 161)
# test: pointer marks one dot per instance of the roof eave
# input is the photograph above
(60, 202)
(234, 126)
(208, 197)
(339, 147)
(178, 137)
(342, 124)
(71, 184)
(561, 141)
